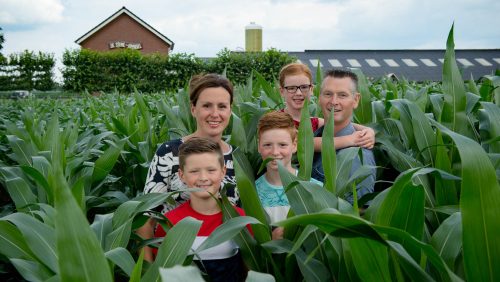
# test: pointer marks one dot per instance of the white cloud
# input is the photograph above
(206, 27)
(29, 12)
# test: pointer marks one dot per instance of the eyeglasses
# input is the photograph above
(304, 88)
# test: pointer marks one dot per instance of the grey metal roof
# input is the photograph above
(419, 65)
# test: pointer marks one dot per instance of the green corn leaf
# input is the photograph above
(445, 190)
(150, 201)
(39, 236)
(434, 259)
(328, 156)
(480, 198)
(312, 269)
(406, 121)
(370, 259)
(340, 225)
(238, 136)
(106, 161)
(269, 90)
(51, 133)
(227, 231)
(454, 116)
(122, 258)
(124, 212)
(102, 226)
(492, 114)
(78, 191)
(40, 179)
(318, 79)
(120, 126)
(411, 267)
(31, 270)
(344, 166)
(137, 271)
(305, 146)
(363, 114)
(297, 244)
(80, 255)
(248, 195)
(447, 239)
(21, 193)
(13, 243)
(181, 273)
(22, 152)
(424, 135)
(347, 226)
(248, 246)
(472, 101)
(254, 276)
(403, 208)
(175, 247)
(120, 236)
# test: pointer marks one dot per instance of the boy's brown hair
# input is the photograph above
(294, 69)
(200, 82)
(277, 120)
(199, 145)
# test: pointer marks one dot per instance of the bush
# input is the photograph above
(126, 70)
(27, 70)
(239, 65)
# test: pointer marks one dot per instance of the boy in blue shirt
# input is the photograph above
(277, 140)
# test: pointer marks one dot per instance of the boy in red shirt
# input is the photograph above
(201, 165)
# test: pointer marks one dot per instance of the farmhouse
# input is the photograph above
(124, 29)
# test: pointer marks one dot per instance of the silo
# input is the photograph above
(253, 37)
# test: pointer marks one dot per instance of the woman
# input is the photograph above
(211, 97)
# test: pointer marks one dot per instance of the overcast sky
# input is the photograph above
(206, 27)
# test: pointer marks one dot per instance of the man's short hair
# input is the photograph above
(199, 145)
(341, 73)
(277, 120)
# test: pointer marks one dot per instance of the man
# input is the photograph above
(339, 96)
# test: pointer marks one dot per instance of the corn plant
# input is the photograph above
(72, 171)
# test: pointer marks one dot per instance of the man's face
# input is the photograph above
(337, 97)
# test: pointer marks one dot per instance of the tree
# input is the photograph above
(2, 40)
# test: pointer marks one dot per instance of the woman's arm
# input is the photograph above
(146, 232)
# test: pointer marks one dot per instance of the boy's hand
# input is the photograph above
(278, 233)
(364, 138)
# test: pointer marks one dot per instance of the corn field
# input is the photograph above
(72, 173)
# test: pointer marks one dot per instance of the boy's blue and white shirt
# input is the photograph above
(273, 198)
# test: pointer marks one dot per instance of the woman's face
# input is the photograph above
(212, 111)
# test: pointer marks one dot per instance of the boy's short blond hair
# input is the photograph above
(277, 120)
(199, 145)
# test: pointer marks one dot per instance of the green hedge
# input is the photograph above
(127, 69)
(239, 65)
(27, 70)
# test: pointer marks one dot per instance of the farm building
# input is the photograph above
(124, 29)
(418, 65)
